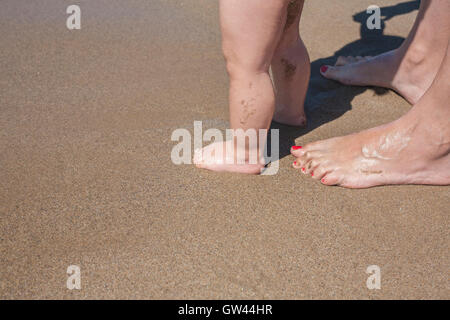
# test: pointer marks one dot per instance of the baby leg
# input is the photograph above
(251, 32)
(291, 70)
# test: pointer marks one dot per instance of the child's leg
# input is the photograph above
(251, 31)
(291, 70)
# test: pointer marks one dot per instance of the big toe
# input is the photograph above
(331, 72)
(297, 151)
(340, 74)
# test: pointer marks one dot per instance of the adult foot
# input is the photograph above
(408, 73)
(414, 149)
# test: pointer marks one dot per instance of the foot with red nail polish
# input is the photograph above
(323, 69)
(410, 69)
(414, 149)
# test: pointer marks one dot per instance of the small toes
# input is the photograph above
(311, 166)
(305, 158)
(330, 179)
(341, 61)
(319, 172)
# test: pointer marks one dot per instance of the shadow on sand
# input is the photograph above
(328, 100)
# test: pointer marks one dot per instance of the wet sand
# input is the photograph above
(86, 178)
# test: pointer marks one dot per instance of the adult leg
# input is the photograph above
(408, 70)
(414, 149)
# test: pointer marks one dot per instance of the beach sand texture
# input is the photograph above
(86, 179)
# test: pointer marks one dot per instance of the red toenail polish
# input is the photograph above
(295, 163)
(323, 180)
(323, 69)
(303, 169)
(312, 174)
(296, 147)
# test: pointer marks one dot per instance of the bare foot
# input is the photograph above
(223, 157)
(414, 149)
(410, 74)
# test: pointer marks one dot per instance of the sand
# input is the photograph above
(86, 178)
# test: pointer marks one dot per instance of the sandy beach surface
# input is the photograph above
(86, 178)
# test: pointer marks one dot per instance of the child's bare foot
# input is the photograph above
(410, 77)
(255, 37)
(408, 70)
(223, 157)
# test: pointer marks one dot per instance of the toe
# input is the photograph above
(307, 156)
(330, 179)
(352, 59)
(296, 164)
(341, 61)
(297, 151)
(333, 73)
(311, 166)
(319, 172)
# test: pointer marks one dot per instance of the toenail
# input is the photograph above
(303, 169)
(296, 147)
(295, 163)
(323, 180)
(323, 69)
(312, 174)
